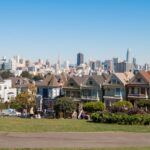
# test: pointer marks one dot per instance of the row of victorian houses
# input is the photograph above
(107, 88)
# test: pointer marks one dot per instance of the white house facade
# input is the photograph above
(7, 93)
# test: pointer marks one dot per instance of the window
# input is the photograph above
(118, 82)
(90, 83)
(143, 90)
(118, 91)
(138, 80)
(38, 91)
(113, 81)
(71, 84)
(132, 90)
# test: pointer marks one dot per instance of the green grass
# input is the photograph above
(63, 125)
(83, 149)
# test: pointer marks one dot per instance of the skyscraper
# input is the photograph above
(80, 59)
(128, 56)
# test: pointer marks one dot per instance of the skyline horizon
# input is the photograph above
(86, 60)
(98, 29)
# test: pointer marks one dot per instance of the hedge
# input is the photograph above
(121, 118)
(91, 107)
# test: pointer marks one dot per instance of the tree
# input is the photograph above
(25, 100)
(38, 77)
(17, 105)
(91, 107)
(26, 74)
(6, 74)
(144, 104)
(64, 105)
(2, 106)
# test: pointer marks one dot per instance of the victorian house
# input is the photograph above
(85, 88)
(92, 88)
(115, 87)
(139, 87)
(73, 87)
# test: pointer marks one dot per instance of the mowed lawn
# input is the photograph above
(63, 125)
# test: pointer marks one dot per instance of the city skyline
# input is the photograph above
(100, 30)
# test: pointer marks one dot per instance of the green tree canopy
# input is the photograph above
(64, 105)
(6, 74)
(91, 107)
(26, 74)
(25, 100)
(143, 103)
(38, 77)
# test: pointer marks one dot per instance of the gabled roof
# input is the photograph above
(19, 81)
(99, 79)
(143, 74)
(53, 82)
(105, 76)
(63, 77)
(146, 75)
(122, 77)
(50, 80)
(78, 80)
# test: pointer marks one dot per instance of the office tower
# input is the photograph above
(21, 61)
(27, 63)
(123, 67)
(92, 65)
(98, 64)
(115, 60)
(17, 58)
(47, 63)
(134, 61)
(66, 64)
(128, 55)
(80, 59)
(108, 65)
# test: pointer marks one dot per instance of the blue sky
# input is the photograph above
(101, 29)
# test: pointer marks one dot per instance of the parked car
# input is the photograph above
(10, 112)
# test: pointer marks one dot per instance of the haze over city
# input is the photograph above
(101, 29)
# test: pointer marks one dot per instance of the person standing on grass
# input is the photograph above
(31, 112)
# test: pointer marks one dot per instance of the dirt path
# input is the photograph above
(68, 140)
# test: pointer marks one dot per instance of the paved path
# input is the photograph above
(68, 140)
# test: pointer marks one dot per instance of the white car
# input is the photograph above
(10, 112)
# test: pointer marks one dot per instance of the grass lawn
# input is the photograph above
(85, 149)
(63, 125)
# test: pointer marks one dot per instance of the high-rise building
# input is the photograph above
(92, 65)
(123, 67)
(134, 61)
(66, 64)
(128, 56)
(115, 60)
(80, 59)
(98, 63)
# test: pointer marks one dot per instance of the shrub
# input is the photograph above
(135, 110)
(123, 104)
(144, 104)
(121, 118)
(91, 107)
